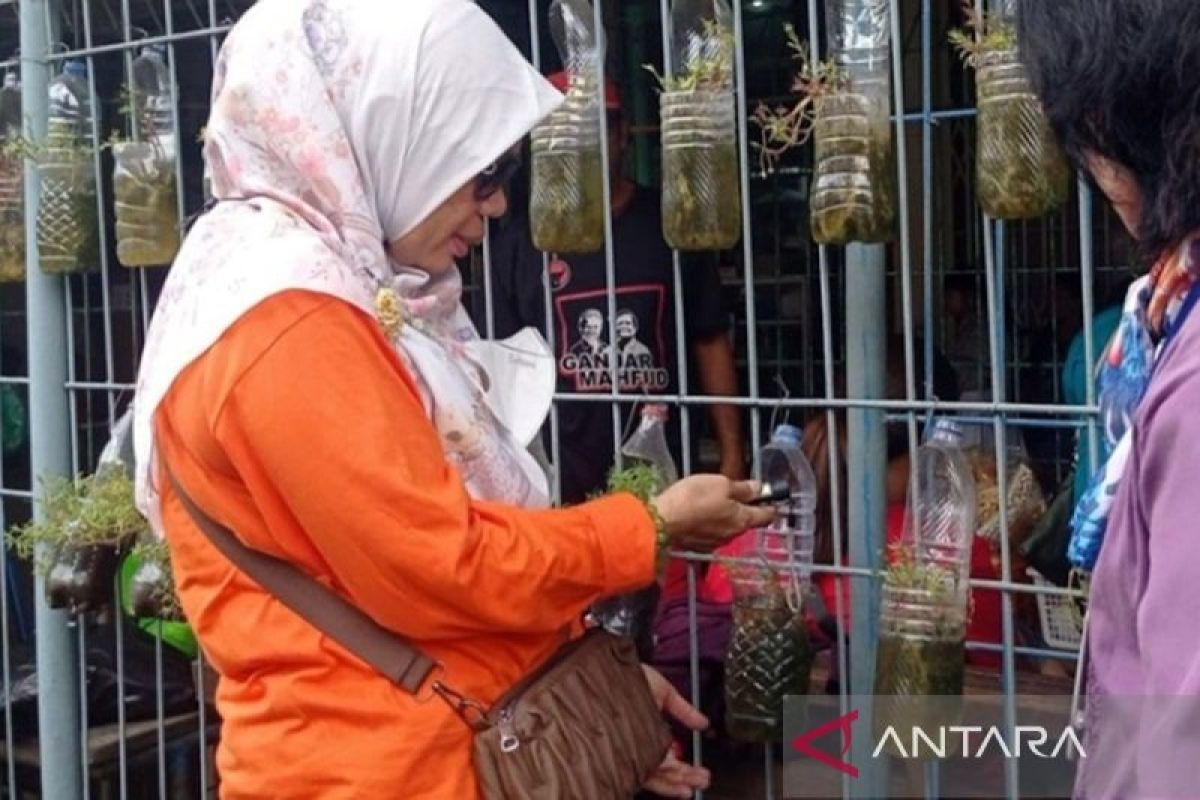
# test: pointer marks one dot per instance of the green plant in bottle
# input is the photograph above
(700, 180)
(566, 197)
(12, 182)
(144, 178)
(67, 218)
(1020, 170)
(152, 586)
(854, 192)
(77, 542)
(921, 650)
(769, 655)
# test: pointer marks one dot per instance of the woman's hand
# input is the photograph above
(703, 511)
(675, 778)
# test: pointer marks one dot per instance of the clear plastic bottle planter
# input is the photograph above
(566, 203)
(769, 658)
(12, 218)
(12, 183)
(700, 185)
(146, 204)
(1021, 172)
(854, 189)
(152, 592)
(921, 654)
(67, 220)
(854, 186)
(566, 195)
(80, 578)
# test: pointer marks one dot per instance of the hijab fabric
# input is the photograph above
(337, 125)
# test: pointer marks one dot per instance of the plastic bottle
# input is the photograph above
(566, 198)
(632, 614)
(700, 185)
(12, 182)
(67, 218)
(940, 524)
(854, 187)
(769, 653)
(144, 181)
(923, 612)
(1020, 169)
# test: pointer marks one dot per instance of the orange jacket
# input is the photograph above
(301, 430)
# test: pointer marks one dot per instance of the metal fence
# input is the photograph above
(803, 315)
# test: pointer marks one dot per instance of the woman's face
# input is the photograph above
(449, 232)
(1119, 187)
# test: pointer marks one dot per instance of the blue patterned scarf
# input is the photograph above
(1152, 308)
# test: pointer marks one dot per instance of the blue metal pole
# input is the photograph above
(60, 738)
(866, 347)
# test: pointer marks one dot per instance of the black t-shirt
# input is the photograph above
(645, 343)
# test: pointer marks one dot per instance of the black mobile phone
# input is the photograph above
(772, 493)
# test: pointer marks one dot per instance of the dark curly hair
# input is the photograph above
(1121, 78)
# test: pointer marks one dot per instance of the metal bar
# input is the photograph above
(110, 375)
(739, 69)
(82, 52)
(81, 635)
(694, 663)
(489, 307)
(681, 354)
(554, 456)
(6, 665)
(877, 572)
(993, 266)
(927, 186)
(831, 436)
(910, 384)
(610, 263)
(59, 734)
(982, 407)
(169, 16)
(681, 340)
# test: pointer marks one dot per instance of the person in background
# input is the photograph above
(965, 334)
(644, 339)
(1120, 84)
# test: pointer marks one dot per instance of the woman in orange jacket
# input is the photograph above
(312, 380)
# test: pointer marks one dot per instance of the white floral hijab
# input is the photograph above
(338, 125)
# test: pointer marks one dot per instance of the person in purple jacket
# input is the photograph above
(1120, 82)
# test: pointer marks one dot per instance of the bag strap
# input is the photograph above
(393, 656)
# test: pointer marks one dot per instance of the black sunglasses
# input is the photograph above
(496, 175)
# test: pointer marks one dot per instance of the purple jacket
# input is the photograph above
(1143, 707)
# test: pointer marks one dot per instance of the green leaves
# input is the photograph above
(94, 509)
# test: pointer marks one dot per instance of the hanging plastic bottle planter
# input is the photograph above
(152, 586)
(1020, 170)
(566, 198)
(923, 614)
(67, 220)
(86, 527)
(12, 182)
(649, 469)
(144, 181)
(769, 653)
(853, 195)
(700, 182)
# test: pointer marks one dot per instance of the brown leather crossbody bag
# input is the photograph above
(583, 725)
